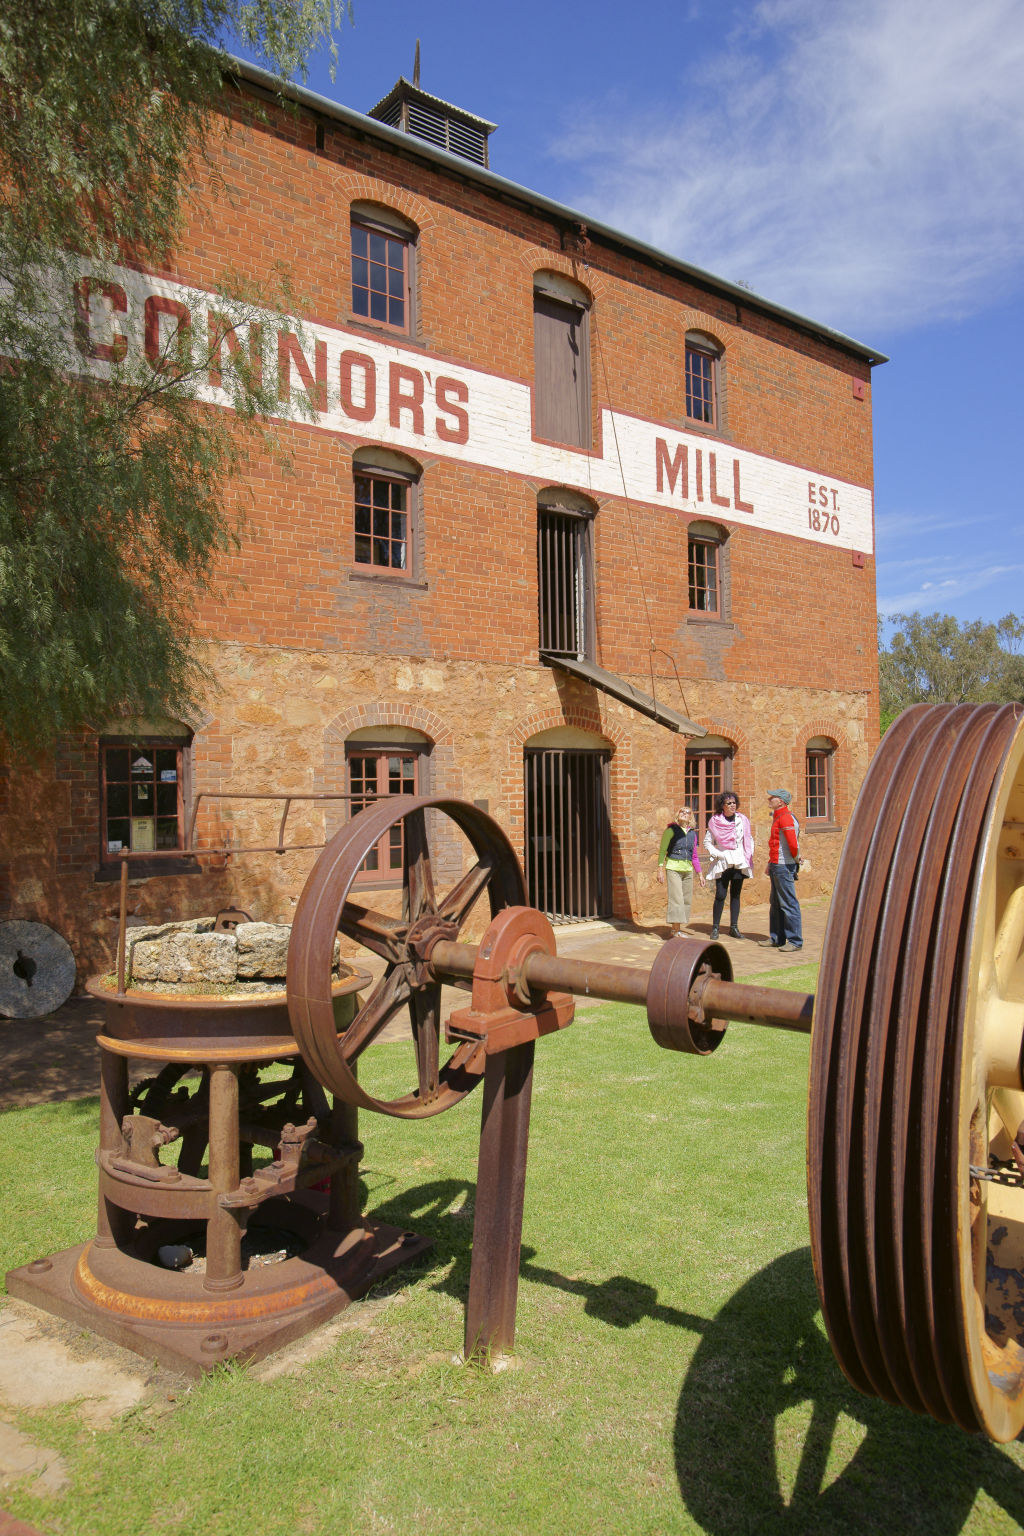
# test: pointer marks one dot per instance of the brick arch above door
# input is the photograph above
(446, 777)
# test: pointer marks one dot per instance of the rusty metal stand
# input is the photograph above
(498, 1220)
(114, 1285)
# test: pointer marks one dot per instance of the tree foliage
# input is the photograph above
(112, 479)
(933, 658)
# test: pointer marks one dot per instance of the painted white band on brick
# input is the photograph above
(409, 399)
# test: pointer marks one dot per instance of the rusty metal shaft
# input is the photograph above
(628, 984)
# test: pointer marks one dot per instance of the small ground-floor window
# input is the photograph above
(819, 783)
(707, 773)
(141, 797)
(372, 774)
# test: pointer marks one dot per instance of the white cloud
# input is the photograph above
(943, 583)
(894, 529)
(860, 163)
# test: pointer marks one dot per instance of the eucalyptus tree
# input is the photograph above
(934, 658)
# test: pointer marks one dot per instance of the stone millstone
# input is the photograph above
(37, 970)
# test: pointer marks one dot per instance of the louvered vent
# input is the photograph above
(438, 122)
(392, 116)
(427, 124)
(465, 140)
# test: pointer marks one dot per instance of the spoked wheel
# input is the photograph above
(916, 1202)
(324, 909)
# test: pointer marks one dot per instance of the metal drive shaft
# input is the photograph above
(628, 984)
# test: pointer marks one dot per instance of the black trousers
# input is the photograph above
(729, 883)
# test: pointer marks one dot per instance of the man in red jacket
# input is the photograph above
(784, 922)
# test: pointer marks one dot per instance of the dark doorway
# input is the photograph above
(568, 832)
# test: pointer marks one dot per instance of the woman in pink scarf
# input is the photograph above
(730, 845)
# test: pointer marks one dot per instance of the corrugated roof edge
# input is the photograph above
(467, 170)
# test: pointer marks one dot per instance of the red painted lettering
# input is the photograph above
(737, 500)
(451, 395)
(698, 461)
(182, 333)
(675, 468)
(289, 351)
(116, 301)
(223, 332)
(835, 500)
(719, 501)
(812, 492)
(366, 409)
(401, 400)
(822, 495)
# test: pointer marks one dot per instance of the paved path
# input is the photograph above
(43, 1060)
(629, 944)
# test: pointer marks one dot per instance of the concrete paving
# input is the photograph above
(631, 944)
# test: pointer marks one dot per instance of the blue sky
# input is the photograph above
(858, 161)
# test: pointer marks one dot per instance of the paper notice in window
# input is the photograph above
(142, 834)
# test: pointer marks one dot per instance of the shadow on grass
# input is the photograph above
(443, 1211)
(763, 1405)
(769, 1436)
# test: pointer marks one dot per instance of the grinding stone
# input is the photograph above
(37, 970)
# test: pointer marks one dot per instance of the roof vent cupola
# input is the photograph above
(414, 111)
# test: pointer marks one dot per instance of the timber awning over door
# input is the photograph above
(625, 693)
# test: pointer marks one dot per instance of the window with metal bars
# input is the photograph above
(704, 571)
(382, 520)
(372, 774)
(381, 268)
(818, 782)
(565, 582)
(705, 775)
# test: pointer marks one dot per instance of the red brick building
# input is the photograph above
(576, 530)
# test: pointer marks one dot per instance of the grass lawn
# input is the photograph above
(674, 1373)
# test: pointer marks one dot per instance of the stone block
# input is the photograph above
(199, 957)
(262, 949)
(144, 932)
(145, 957)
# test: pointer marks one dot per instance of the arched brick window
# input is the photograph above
(819, 780)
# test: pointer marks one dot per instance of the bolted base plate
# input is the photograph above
(170, 1318)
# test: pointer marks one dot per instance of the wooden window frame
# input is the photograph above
(394, 478)
(819, 764)
(386, 873)
(700, 796)
(702, 403)
(110, 863)
(694, 544)
(400, 239)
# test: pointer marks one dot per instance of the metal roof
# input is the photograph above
(509, 191)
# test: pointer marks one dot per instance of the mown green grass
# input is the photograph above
(674, 1375)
